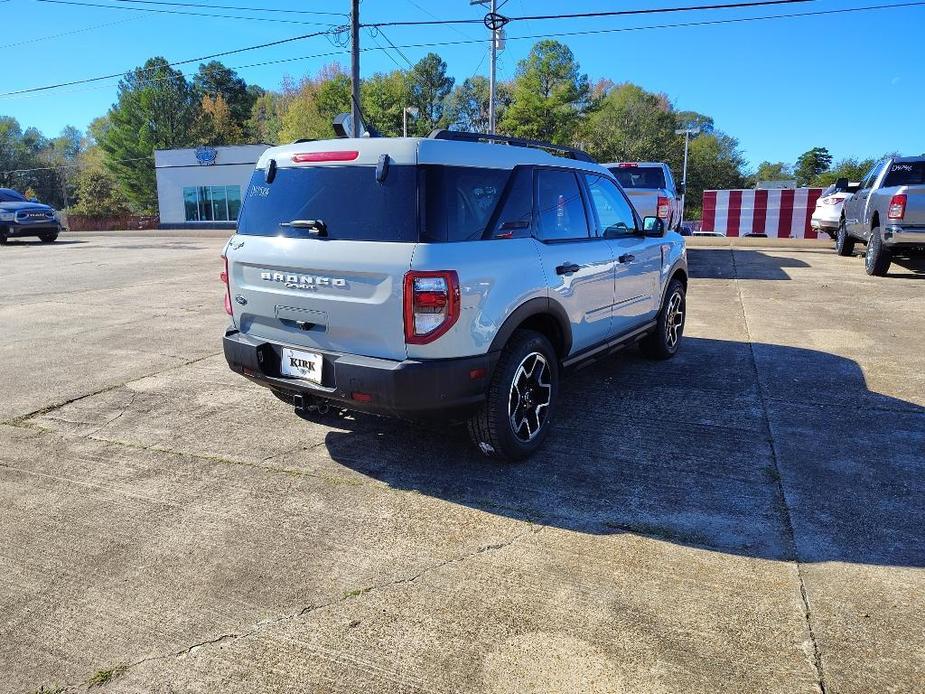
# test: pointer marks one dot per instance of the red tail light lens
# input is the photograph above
(431, 305)
(345, 155)
(664, 208)
(897, 209)
(224, 278)
(627, 165)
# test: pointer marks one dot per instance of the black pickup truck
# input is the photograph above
(21, 217)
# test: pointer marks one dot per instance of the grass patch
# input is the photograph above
(103, 677)
(355, 593)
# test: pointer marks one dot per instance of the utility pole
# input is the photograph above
(491, 74)
(355, 67)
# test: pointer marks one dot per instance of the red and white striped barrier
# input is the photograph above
(780, 214)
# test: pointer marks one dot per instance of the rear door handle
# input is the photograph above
(567, 269)
(626, 258)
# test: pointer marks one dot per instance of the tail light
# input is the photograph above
(342, 155)
(431, 305)
(897, 209)
(224, 277)
(664, 208)
(831, 201)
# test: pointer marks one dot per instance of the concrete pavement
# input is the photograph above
(745, 517)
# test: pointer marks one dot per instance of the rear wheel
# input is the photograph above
(48, 238)
(517, 413)
(2, 239)
(844, 244)
(878, 257)
(664, 342)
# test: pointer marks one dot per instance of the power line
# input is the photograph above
(437, 44)
(68, 33)
(586, 15)
(171, 64)
(231, 7)
(182, 12)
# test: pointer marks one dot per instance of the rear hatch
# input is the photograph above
(322, 248)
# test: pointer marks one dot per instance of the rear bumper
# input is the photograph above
(904, 235)
(825, 223)
(409, 389)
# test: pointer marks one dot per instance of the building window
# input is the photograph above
(212, 203)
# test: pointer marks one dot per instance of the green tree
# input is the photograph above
(429, 88)
(213, 79)
(715, 162)
(850, 168)
(96, 188)
(156, 109)
(265, 121)
(811, 165)
(692, 119)
(549, 95)
(314, 103)
(384, 97)
(773, 171)
(217, 125)
(631, 124)
(468, 103)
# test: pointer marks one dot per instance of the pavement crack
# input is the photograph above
(781, 492)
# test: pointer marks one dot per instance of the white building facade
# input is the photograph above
(202, 187)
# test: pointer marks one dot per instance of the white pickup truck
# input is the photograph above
(651, 188)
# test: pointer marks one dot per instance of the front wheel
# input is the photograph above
(517, 413)
(878, 257)
(844, 244)
(664, 342)
(48, 238)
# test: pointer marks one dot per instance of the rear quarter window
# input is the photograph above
(459, 201)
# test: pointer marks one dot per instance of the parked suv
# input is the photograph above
(443, 277)
(828, 213)
(651, 188)
(887, 213)
(21, 217)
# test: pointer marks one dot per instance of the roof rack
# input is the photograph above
(463, 136)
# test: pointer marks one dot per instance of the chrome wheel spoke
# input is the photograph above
(530, 395)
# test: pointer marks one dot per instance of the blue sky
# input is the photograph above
(842, 81)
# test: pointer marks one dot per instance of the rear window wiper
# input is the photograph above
(316, 226)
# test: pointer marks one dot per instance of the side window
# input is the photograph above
(614, 213)
(669, 180)
(560, 210)
(515, 219)
(871, 176)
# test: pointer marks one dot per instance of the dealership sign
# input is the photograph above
(206, 155)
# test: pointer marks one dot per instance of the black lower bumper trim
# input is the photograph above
(409, 389)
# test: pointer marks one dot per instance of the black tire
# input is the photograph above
(2, 239)
(528, 363)
(877, 259)
(844, 244)
(48, 238)
(664, 342)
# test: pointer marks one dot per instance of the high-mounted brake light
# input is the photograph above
(663, 207)
(627, 165)
(344, 155)
(897, 209)
(431, 305)
(223, 276)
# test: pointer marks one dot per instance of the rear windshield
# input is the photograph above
(639, 176)
(428, 203)
(905, 173)
(349, 200)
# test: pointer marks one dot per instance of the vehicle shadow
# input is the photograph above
(915, 268)
(719, 263)
(681, 451)
(29, 241)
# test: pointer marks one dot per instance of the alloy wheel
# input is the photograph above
(530, 395)
(674, 320)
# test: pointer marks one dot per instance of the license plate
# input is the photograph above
(299, 364)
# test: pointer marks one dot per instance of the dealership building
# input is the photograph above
(202, 187)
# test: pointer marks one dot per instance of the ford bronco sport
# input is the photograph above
(444, 276)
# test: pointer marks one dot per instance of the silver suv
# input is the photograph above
(446, 276)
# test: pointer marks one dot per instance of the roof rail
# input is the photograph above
(463, 136)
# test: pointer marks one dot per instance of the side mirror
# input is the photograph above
(653, 226)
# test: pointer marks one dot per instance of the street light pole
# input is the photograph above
(687, 131)
(414, 111)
